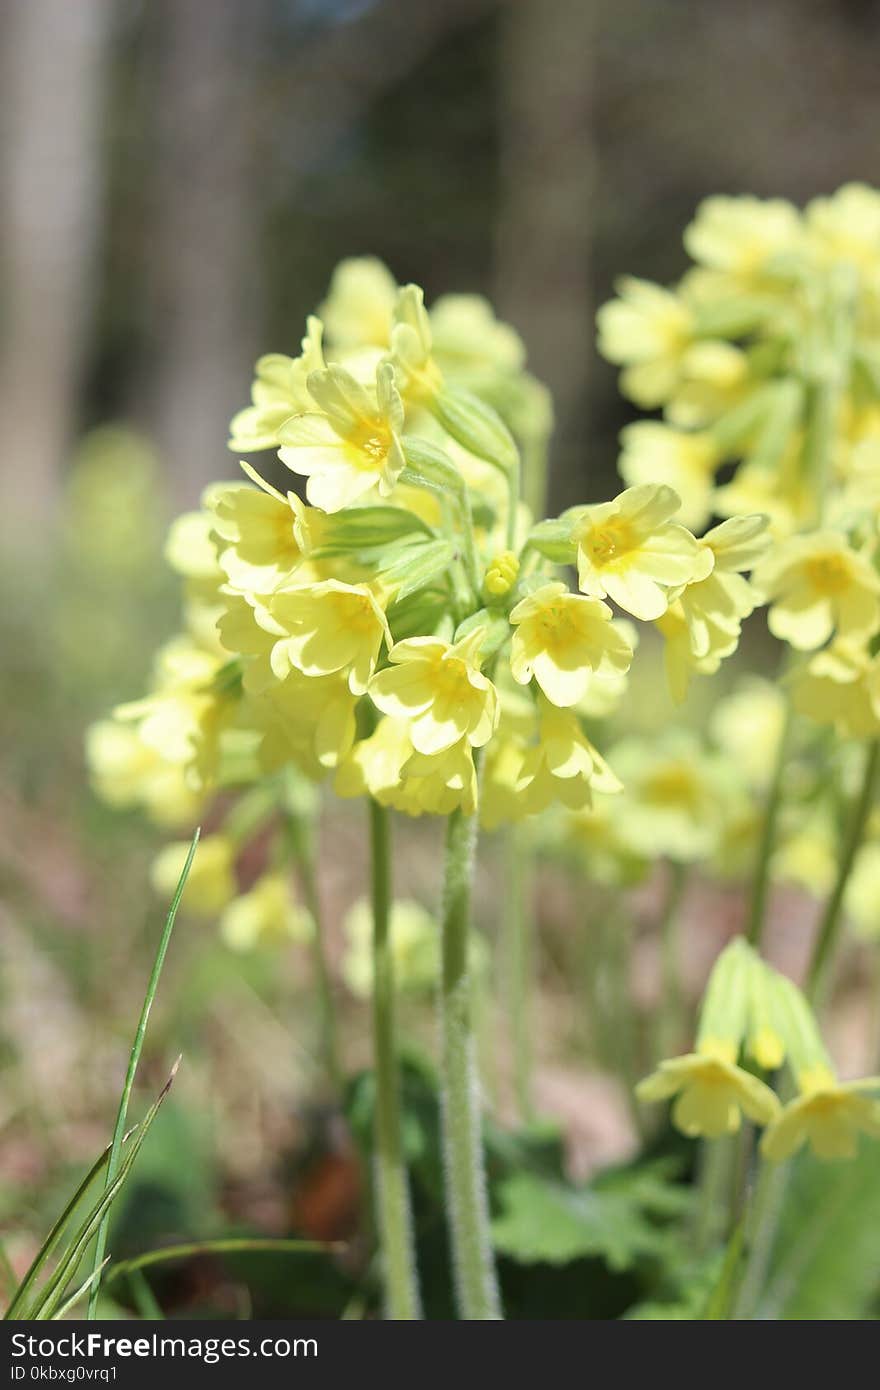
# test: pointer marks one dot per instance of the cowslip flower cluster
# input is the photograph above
(751, 1008)
(764, 360)
(408, 617)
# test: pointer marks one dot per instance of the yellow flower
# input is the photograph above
(279, 391)
(647, 331)
(267, 912)
(784, 493)
(308, 718)
(630, 551)
(263, 536)
(675, 793)
(440, 689)
(183, 718)
(387, 767)
(702, 625)
(713, 1092)
(127, 772)
(411, 354)
(563, 766)
(715, 377)
(840, 686)
(829, 1115)
(818, 585)
(562, 639)
(740, 236)
(413, 938)
(353, 445)
(374, 766)
(190, 548)
(470, 342)
(210, 884)
(846, 227)
(324, 628)
(437, 784)
(807, 856)
(747, 725)
(687, 462)
(358, 310)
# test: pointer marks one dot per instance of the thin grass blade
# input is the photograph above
(52, 1239)
(223, 1246)
(52, 1294)
(83, 1289)
(134, 1059)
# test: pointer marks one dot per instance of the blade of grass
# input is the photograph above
(57, 1230)
(134, 1059)
(223, 1246)
(143, 1297)
(6, 1271)
(52, 1293)
(83, 1288)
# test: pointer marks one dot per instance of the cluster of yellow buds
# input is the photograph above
(410, 612)
(750, 1007)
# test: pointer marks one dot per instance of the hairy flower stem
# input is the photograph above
(394, 1215)
(761, 1226)
(466, 1196)
(767, 845)
(768, 1197)
(714, 1178)
(302, 842)
(830, 925)
(518, 939)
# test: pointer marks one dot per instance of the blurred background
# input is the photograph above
(178, 180)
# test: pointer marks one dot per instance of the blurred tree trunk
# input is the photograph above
(548, 177)
(50, 196)
(204, 311)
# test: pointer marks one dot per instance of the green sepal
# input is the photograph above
(365, 528)
(553, 540)
(494, 620)
(724, 1015)
(417, 566)
(430, 465)
(476, 427)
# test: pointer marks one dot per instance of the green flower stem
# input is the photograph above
(765, 1208)
(392, 1190)
(762, 1225)
(302, 842)
(672, 1004)
(714, 1178)
(830, 925)
(513, 486)
(466, 1194)
(518, 938)
(761, 879)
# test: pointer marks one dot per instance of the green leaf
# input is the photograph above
(549, 1222)
(826, 1263)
